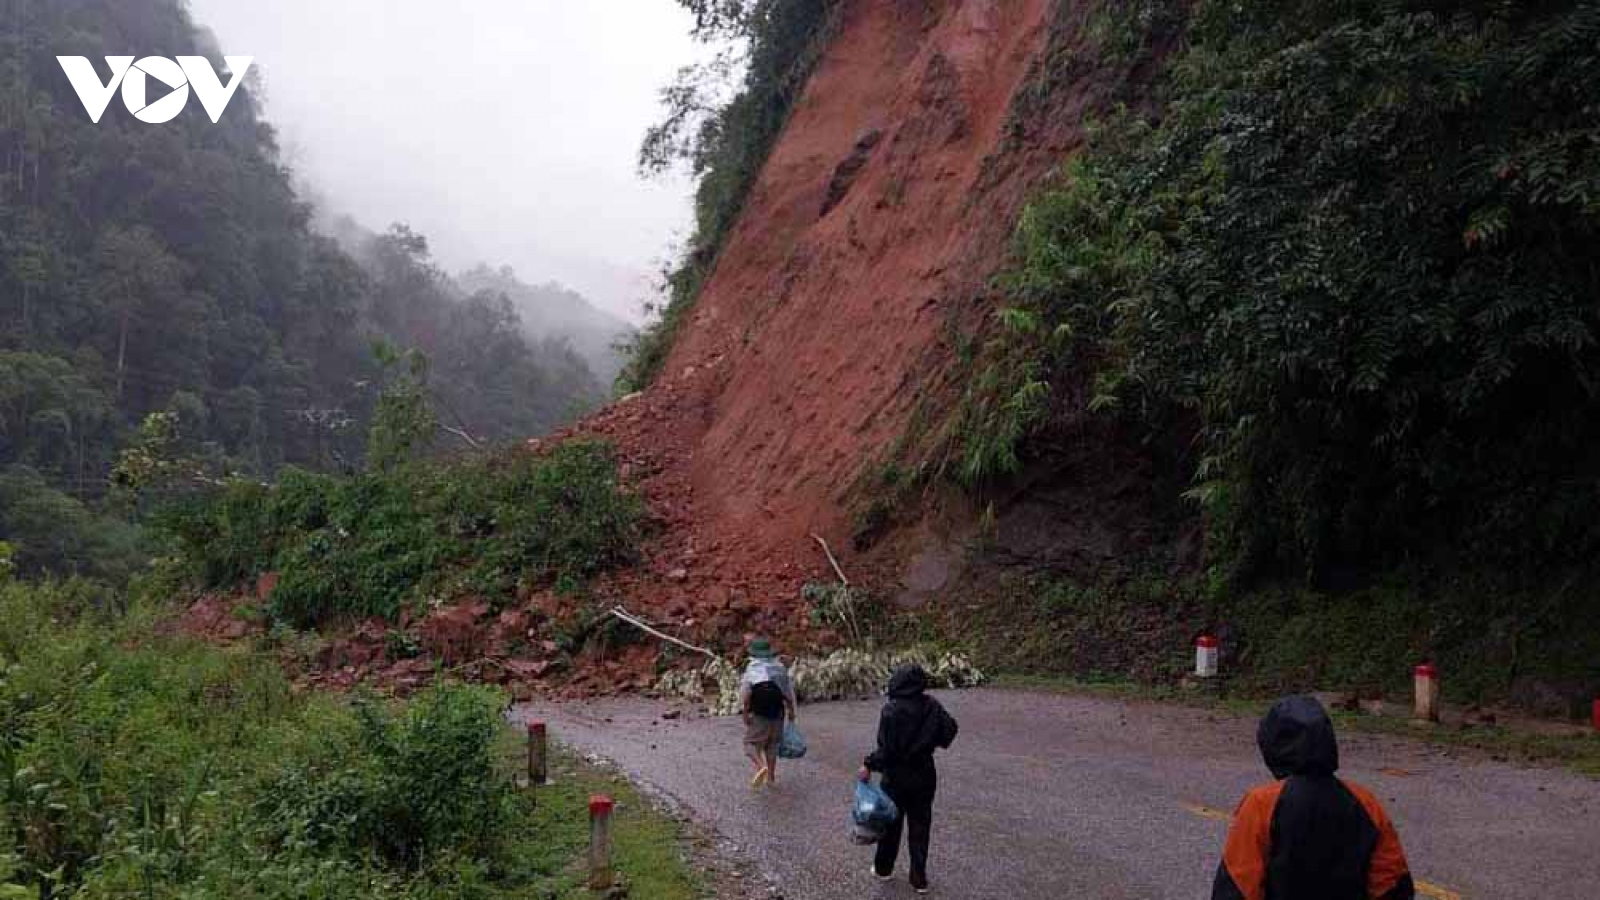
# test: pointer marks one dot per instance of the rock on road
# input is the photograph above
(1048, 796)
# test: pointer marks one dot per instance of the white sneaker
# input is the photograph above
(875, 874)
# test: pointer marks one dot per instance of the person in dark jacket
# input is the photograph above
(911, 728)
(1309, 835)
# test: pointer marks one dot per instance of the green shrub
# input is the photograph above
(136, 764)
(364, 545)
(401, 788)
(1527, 648)
(1356, 249)
(54, 533)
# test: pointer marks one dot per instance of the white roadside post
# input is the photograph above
(1207, 653)
(1426, 679)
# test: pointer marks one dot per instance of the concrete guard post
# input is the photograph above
(538, 758)
(600, 809)
(1425, 678)
(1207, 656)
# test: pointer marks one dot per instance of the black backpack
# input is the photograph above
(766, 700)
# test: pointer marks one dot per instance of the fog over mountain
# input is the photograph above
(518, 151)
(548, 311)
(553, 310)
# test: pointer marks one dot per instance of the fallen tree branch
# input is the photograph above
(625, 616)
(846, 593)
(481, 661)
(842, 580)
(461, 433)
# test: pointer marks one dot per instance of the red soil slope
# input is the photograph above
(869, 241)
(881, 217)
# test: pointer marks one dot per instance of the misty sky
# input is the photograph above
(504, 130)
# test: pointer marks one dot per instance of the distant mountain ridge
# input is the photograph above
(548, 311)
(555, 310)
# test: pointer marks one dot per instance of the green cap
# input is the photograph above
(761, 648)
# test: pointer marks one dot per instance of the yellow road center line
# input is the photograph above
(1206, 812)
(1428, 889)
(1424, 888)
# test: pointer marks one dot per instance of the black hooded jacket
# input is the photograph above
(1309, 835)
(912, 727)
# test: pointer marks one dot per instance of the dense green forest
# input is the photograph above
(1335, 264)
(197, 385)
(172, 270)
(1352, 261)
(553, 311)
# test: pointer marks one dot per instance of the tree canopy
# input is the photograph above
(172, 268)
(1352, 261)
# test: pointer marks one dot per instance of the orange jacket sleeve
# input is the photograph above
(1388, 874)
(1243, 873)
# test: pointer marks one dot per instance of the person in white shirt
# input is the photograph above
(766, 699)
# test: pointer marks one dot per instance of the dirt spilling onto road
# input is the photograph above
(868, 244)
(870, 239)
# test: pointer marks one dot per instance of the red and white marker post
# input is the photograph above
(600, 808)
(1426, 679)
(1207, 656)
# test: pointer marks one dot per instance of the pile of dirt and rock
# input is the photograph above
(866, 247)
(870, 239)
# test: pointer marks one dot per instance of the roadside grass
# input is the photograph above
(648, 847)
(1525, 655)
(1579, 752)
(136, 761)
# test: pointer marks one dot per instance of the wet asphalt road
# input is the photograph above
(1047, 796)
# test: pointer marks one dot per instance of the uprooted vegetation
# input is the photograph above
(372, 544)
(848, 674)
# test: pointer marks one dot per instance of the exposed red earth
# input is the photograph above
(874, 231)
(878, 223)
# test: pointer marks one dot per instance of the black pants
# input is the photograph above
(914, 796)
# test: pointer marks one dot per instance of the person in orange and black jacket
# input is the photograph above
(911, 728)
(1309, 835)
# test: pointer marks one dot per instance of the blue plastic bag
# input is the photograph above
(872, 813)
(793, 744)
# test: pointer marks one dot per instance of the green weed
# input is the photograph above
(137, 764)
(367, 544)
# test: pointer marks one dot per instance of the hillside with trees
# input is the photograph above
(195, 387)
(172, 270)
(1276, 320)
(1033, 338)
(1330, 277)
(554, 312)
